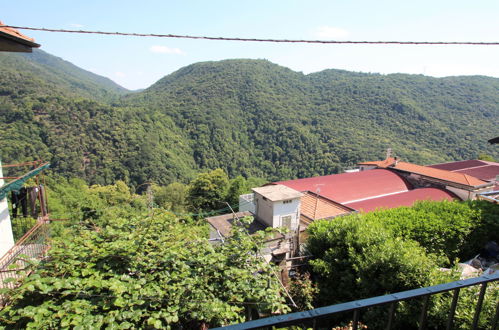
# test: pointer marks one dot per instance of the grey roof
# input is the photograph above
(223, 223)
(277, 192)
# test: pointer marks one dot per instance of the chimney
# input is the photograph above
(388, 153)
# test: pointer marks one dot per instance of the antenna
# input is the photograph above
(317, 191)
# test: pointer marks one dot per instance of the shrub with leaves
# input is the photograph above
(144, 272)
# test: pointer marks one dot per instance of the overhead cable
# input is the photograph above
(180, 36)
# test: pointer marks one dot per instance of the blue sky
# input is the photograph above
(139, 62)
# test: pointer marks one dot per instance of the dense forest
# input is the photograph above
(249, 117)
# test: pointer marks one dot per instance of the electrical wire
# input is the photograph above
(179, 36)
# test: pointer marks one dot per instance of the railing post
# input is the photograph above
(355, 319)
(452, 310)
(424, 312)
(496, 318)
(391, 313)
(476, 318)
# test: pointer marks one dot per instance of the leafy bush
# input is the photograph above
(144, 272)
(355, 259)
(454, 229)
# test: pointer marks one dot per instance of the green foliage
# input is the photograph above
(172, 197)
(208, 190)
(486, 157)
(355, 259)
(388, 251)
(303, 291)
(454, 229)
(465, 310)
(143, 272)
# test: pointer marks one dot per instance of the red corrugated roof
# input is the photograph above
(349, 187)
(459, 165)
(403, 199)
(487, 173)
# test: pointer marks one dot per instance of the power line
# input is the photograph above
(180, 36)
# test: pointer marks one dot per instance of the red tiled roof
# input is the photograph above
(380, 163)
(18, 36)
(460, 178)
(403, 199)
(444, 175)
(318, 207)
(349, 187)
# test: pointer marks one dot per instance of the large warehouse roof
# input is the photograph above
(350, 187)
(403, 199)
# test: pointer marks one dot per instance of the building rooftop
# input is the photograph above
(349, 187)
(481, 169)
(277, 192)
(431, 172)
(15, 41)
(403, 199)
(315, 207)
(223, 223)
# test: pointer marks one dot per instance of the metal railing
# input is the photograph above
(14, 265)
(312, 317)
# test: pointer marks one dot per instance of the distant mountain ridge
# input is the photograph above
(249, 117)
(62, 73)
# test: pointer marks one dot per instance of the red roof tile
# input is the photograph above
(18, 36)
(444, 175)
(349, 187)
(318, 207)
(403, 199)
(380, 163)
(460, 178)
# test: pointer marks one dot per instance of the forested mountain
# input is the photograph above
(249, 117)
(60, 74)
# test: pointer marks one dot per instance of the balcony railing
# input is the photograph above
(14, 265)
(317, 318)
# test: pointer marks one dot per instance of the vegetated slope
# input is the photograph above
(41, 116)
(258, 118)
(249, 117)
(62, 74)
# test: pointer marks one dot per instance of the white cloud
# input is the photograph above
(165, 50)
(330, 33)
(75, 25)
(120, 74)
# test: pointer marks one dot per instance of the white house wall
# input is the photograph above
(264, 210)
(6, 237)
(283, 209)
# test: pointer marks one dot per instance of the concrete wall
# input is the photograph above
(264, 210)
(247, 203)
(6, 237)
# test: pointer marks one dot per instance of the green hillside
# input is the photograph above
(249, 117)
(61, 74)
